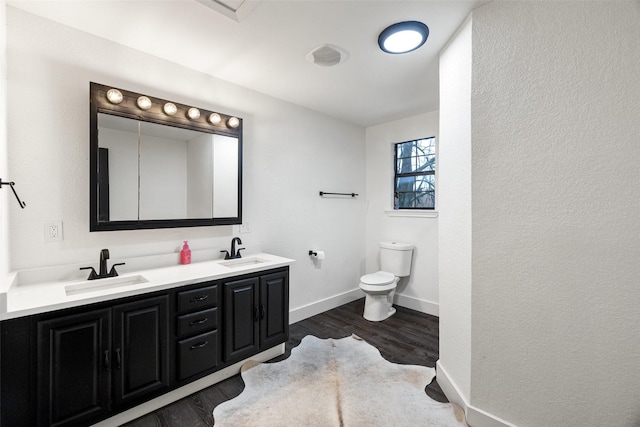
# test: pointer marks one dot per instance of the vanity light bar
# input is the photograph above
(132, 103)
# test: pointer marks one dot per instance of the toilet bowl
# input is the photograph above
(379, 287)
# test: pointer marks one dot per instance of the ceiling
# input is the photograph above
(262, 45)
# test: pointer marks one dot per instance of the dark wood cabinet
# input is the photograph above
(73, 368)
(92, 362)
(274, 314)
(197, 337)
(140, 350)
(241, 315)
(256, 314)
(81, 365)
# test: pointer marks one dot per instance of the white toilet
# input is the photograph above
(379, 287)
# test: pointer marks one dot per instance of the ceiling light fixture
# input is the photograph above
(403, 37)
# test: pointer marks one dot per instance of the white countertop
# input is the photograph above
(22, 299)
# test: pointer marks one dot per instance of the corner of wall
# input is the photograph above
(4, 214)
(476, 417)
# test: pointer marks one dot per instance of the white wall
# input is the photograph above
(288, 153)
(4, 193)
(420, 290)
(555, 126)
(454, 201)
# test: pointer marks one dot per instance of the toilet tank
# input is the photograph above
(395, 257)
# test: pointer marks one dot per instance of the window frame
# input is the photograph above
(397, 175)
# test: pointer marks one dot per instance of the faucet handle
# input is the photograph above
(113, 272)
(226, 254)
(238, 255)
(93, 275)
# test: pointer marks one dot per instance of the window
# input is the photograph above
(414, 180)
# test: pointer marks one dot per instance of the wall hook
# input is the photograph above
(11, 184)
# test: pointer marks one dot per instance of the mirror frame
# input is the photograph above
(128, 108)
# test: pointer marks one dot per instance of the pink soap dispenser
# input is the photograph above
(185, 254)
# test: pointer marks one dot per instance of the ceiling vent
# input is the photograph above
(327, 55)
(234, 9)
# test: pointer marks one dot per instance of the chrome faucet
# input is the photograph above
(104, 256)
(234, 253)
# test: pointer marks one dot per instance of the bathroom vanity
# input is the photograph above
(79, 352)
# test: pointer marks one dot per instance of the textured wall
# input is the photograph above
(454, 201)
(4, 193)
(556, 213)
(290, 154)
(420, 290)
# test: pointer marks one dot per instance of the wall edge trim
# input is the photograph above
(476, 417)
(421, 305)
(317, 307)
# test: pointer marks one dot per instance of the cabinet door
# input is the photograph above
(73, 364)
(241, 318)
(140, 349)
(274, 309)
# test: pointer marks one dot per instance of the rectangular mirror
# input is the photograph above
(151, 170)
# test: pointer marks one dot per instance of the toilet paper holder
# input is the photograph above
(317, 255)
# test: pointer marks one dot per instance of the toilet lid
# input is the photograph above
(378, 278)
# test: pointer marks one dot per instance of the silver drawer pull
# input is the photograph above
(200, 298)
(199, 345)
(198, 322)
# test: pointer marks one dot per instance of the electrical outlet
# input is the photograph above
(53, 231)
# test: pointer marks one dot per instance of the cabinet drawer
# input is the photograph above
(195, 323)
(197, 354)
(197, 299)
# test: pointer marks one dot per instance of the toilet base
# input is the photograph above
(377, 307)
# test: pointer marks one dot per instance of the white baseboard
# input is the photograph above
(476, 417)
(417, 304)
(309, 310)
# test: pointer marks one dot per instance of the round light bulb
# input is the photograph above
(114, 96)
(170, 108)
(215, 118)
(233, 122)
(403, 37)
(193, 113)
(403, 41)
(144, 103)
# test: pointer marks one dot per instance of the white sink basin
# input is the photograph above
(243, 262)
(102, 284)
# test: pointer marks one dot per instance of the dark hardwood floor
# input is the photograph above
(408, 337)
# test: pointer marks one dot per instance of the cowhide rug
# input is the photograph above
(343, 382)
